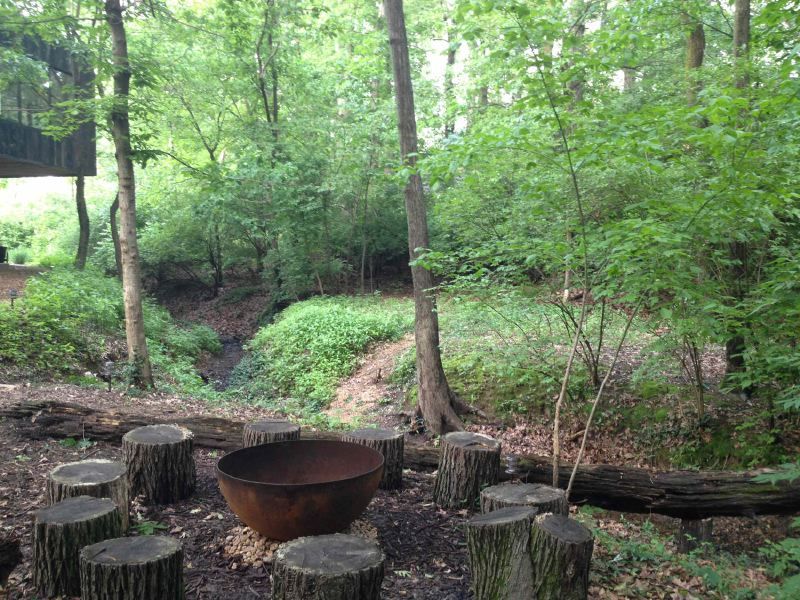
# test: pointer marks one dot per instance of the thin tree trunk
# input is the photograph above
(83, 222)
(129, 247)
(115, 235)
(435, 397)
(449, 124)
(739, 250)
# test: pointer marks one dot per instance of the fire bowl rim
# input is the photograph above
(361, 447)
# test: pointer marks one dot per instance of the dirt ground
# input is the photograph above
(14, 277)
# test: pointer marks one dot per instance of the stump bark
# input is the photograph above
(10, 557)
(692, 533)
(499, 554)
(327, 567)
(59, 533)
(389, 443)
(97, 478)
(148, 567)
(561, 550)
(543, 498)
(266, 432)
(160, 463)
(468, 462)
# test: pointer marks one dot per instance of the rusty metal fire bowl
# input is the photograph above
(291, 489)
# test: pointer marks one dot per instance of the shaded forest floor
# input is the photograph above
(425, 546)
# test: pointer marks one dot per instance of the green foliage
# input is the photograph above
(298, 360)
(149, 527)
(67, 320)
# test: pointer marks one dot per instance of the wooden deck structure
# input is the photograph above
(25, 150)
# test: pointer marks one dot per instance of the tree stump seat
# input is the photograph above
(97, 478)
(499, 553)
(543, 498)
(468, 462)
(59, 533)
(561, 552)
(390, 444)
(148, 567)
(693, 533)
(160, 464)
(266, 432)
(327, 567)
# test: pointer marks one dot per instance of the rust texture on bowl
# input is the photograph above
(296, 488)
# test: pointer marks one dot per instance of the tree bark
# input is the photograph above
(160, 463)
(96, 478)
(266, 432)
(148, 567)
(692, 533)
(328, 567)
(435, 397)
(469, 462)
(561, 551)
(83, 223)
(10, 557)
(112, 222)
(695, 53)
(499, 554)
(129, 247)
(391, 445)
(682, 494)
(542, 498)
(59, 533)
(741, 41)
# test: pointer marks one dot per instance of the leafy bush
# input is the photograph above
(314, 343)
(20, 256)
(67, 319)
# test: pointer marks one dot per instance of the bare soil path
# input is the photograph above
(367, 397)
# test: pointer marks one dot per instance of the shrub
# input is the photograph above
(67, 319)
(20, 256)
(314, 343)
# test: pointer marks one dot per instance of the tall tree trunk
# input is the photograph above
(83, 222)
(129, 247)
(435, 397)
(112, 222)
(449, 124)
(695, 52)
(739, 250)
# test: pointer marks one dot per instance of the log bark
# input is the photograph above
(542, 498)
(681, 494)
(160, 463)
(692, 533)
(97, 478)
(389, 443)
(59, 533)
(327, 567)
(561, 550)
(469, 462)
(499, 554)
(266, 432)
(148, 567)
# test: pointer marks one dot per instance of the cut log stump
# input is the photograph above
(561, 550)
(468, 462)
(266, 432)
(10, 557)
(149, 567)
(97, 478)
(543, 498)
(160, 463)
(389, 443)
(499, 554)
(692, 533)
(59, 533)
(327, 567)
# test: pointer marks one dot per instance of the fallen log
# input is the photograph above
(682, 494)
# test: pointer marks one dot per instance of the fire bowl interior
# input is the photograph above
(290, 489)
